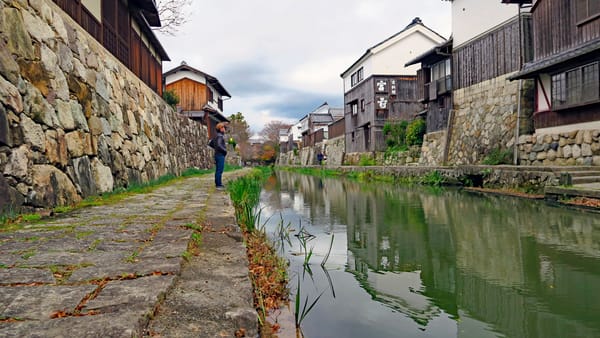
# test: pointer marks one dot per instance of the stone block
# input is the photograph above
(5, 136)
(579, 137)
(33, 133)
(65, 115)
(19, 41)
(567, 152)
(595, 148)
(95, 125)
(586, 149)
(102, 176)
(75, 143)
(576, 151)
(587, 136)
(51, 187)
(10, 96)
(9, 68)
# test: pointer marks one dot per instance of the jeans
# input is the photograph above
(220, 165)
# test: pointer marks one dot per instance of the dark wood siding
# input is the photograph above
(117, 35)
(556, 28)
(437, 113)
(336, 128)
(582, 114)
(364, 129)
(489, 56)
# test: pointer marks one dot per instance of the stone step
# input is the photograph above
(586, 190)
(584, 173)
(585, 179)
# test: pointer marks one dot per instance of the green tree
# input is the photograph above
(415, 132)
(395, 134)
(171, 98)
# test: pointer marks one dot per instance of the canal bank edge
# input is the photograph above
(551, 183)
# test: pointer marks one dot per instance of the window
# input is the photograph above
(576, 86)
(357, 77)
(441, 76)
(354, 107)
(362, 105)
(587, 10)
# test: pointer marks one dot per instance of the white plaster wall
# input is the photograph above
(471, 18)
(94, 6)
(391, 61)
(367, 71)
(544, 93)
(296, 132)
(182, 75)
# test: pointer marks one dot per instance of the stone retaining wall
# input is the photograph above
(532, 178)
(579, 147)
(74, 121)
(485, 118)
(432, 150)
(335, 150)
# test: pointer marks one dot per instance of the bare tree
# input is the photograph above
(271, 130)
(172, 15)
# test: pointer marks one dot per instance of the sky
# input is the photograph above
(281, 59)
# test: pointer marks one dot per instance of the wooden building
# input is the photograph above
(565, 65)
(123, 27)
(434, 85)
(378, 86)
(201, 95)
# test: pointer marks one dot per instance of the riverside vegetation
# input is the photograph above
(268, 271)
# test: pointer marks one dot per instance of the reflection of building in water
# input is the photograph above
(389, 236)
(500, 266)
(402, 292)
(484, 260)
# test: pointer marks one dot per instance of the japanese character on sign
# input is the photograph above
(382, 102)
(381, 86)
(393, 87)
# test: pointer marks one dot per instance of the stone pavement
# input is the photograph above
(125, 269)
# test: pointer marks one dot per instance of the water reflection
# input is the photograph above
(451, 263)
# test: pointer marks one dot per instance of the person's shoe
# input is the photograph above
(220, 187)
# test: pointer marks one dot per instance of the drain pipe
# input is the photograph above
(516, 150)
(519, 96)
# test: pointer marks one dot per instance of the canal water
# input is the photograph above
(421, 262)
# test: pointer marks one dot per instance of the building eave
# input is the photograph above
(213, 81)
(558, 61)
(149, 10)
(435, 54)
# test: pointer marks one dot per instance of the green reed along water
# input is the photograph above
(422, 262)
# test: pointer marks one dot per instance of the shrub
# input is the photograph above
(395, 133)
(433, 178)
(415, 132)
(498, 156)
(171, 97)
(366, 160)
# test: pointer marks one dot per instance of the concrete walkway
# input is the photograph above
(118, 270)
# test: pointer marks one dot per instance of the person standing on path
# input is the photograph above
(220, 153)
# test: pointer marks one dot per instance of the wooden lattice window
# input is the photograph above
(576, 86)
